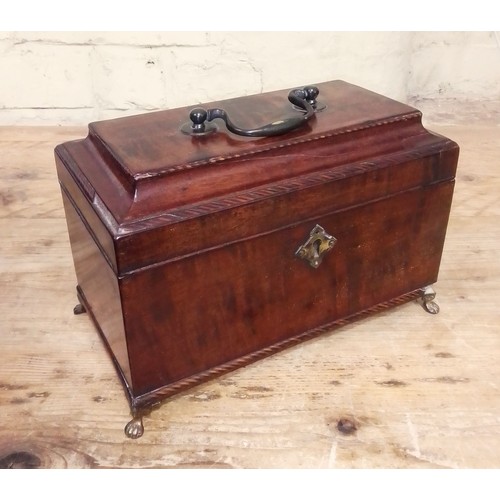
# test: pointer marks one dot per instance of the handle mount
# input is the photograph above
(302, 99)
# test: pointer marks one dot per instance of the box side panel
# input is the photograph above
(193, 314)
(84, 197)
(99, 285)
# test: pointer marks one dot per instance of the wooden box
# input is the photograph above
(198, 251)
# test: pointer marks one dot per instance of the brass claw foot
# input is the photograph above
(135, 428)
(79, 309)
(427, 297)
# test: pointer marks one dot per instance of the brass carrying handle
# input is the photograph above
(303, 99)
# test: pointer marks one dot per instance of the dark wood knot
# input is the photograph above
(20, 460)
(346, 426)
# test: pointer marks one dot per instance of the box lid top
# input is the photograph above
(152, 144)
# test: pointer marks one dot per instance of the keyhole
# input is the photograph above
(317, 247)
(318, 243)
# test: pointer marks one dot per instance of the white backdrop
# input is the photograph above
(76, 77)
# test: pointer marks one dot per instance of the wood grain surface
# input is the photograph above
(401, 389)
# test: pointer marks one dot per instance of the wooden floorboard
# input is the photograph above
(400, 389)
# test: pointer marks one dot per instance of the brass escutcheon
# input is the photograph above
(316, 246)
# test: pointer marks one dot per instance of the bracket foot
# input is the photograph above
(427, 298)
(135, 428)
(79, 309)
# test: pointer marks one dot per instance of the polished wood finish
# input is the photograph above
(414, 390)
(238, 307)
(193, 240)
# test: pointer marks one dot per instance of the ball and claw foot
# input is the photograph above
(427, 297)
(135, 428)
(79, 309)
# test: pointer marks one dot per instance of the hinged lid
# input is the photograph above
(142, 172)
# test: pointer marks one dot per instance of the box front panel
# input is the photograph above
(195, 313)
